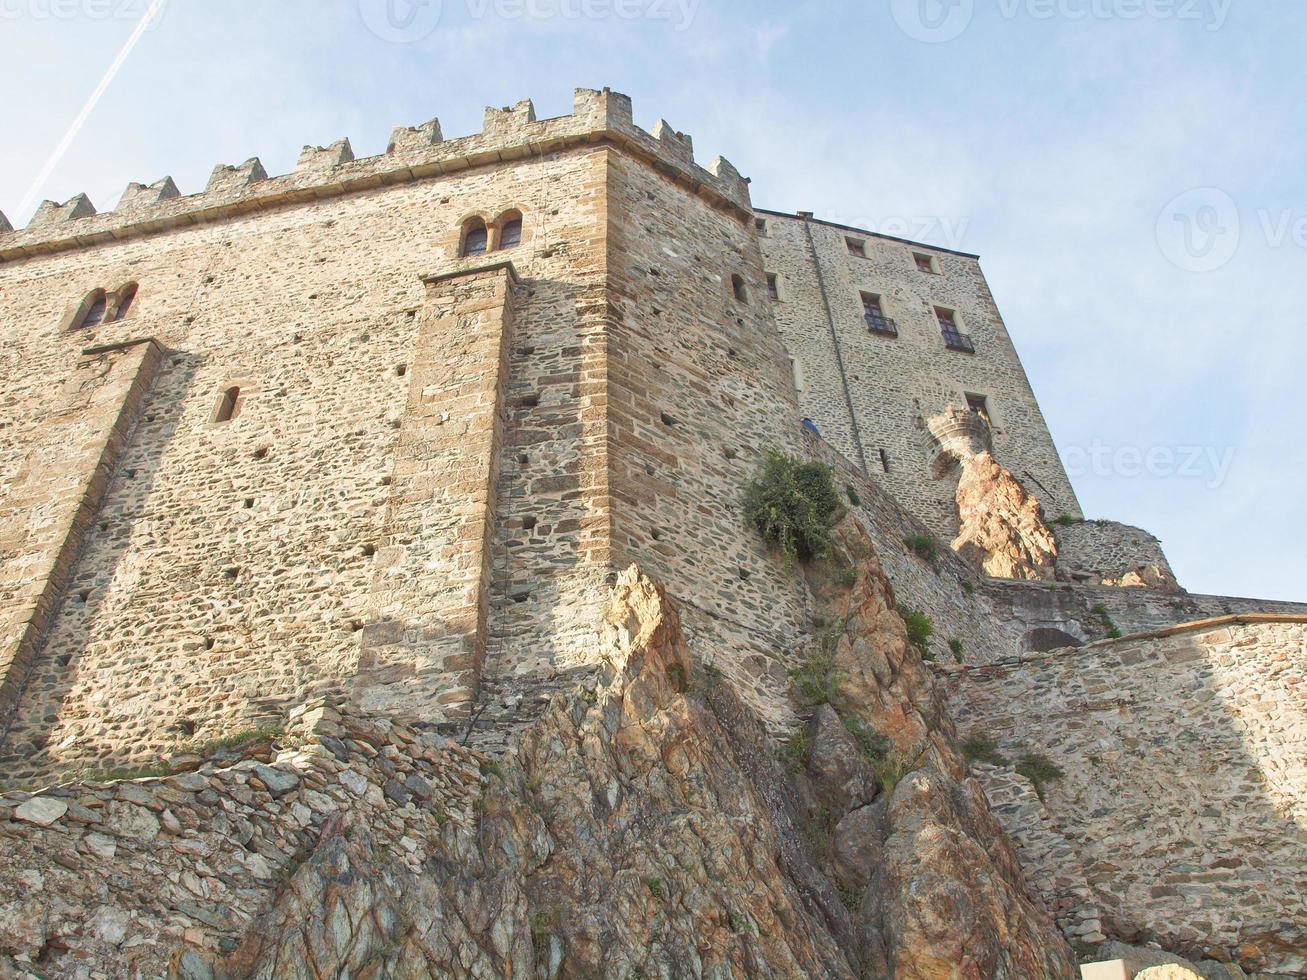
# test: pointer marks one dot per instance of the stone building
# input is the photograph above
(384, 434)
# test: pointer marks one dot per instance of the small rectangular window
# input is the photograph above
(761, 225)
(773, 286)
(874, 315)
(925, 263)
(979, 405)
(856, 247)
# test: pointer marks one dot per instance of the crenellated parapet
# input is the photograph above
(413, 153)
(139, 198)
(52, 213)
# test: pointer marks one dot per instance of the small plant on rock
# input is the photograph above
(981, 749)
(793, 752)
(920, 630)
(1040, 770)
(1066, 520)
(923, 546)
(237, 740)
(955, 648)
(793, 505)
(815, 680)
(853, 496)
(1113, 631)
(544, 923)
(819, 831)
(873, 745)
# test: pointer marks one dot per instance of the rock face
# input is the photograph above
(1147, 577)
(626, 834)
(643, 826)
(1002, 526)
(945, 897)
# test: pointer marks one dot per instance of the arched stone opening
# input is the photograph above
(1042, 639)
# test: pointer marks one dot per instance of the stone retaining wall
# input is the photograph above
(157, 872)
(1184, 794)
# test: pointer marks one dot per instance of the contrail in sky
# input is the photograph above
(146, 19)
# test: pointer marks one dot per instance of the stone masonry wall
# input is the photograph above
(1086, 612)
(1184, 797)
(424, 641)
(1099, 551)
(159, 874)
(49, 503)
(697, 394)
(328, 529)
(886, 387)
(229, 571)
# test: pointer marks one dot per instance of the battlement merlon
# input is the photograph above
(415, 153)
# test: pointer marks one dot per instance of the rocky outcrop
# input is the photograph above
(1147, 577)
(643, 826)
(1001, 526)
(943, 895)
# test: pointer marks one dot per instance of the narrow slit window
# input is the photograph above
(228, 405)
(739, 289)
(773, 286)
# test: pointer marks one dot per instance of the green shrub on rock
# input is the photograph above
(920, 630)
(793, 505)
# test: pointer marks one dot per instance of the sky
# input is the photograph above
(1130, 171)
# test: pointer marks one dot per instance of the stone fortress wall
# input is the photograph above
(1183, 808)
(438, 463)
(872, 395)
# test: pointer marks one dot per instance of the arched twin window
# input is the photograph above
(476, 239)
(101, 307)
